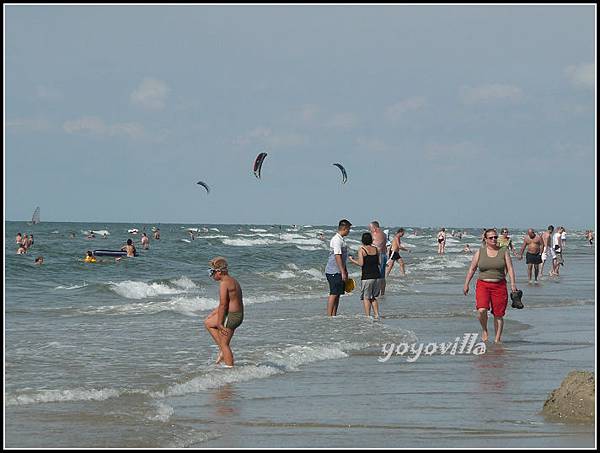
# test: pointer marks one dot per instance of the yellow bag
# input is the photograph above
(349, 285)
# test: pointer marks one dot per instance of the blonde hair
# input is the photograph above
(219, 263)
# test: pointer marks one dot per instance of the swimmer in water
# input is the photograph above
(441, 238)
(39, 260)
(90, 258)
(145, 241)
(129, 248)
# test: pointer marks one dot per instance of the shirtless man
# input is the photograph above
(590, 237)
(380, 241)
(145, 241)
(535, 245)
(395, 253)
(229, 315)
(129, 248)
(547, 252)
(157, 234)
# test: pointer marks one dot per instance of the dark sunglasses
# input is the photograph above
(212, 272)
(492, 237)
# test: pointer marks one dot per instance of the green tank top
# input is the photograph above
(492, 268)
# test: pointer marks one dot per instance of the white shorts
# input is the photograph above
(548, 253)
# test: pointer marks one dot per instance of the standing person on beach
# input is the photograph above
(441, 238)
(490, 292)
(229, 315)
(395, 253)
(336, 271)
(547, 252)
(506, 241)
(535, 245)
(590, 237)
(145, 241)
(563, 237)
(557, 249)
(380, 241)
(368, 260)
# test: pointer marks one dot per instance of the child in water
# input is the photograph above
(90, 258)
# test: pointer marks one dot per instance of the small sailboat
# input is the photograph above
(36, 216)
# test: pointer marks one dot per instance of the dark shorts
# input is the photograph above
(336, 284)
(383, 260)
(533, 258)
(395, 256)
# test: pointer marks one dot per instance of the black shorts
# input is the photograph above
(533, 258)
(395, 256)
(336, 284)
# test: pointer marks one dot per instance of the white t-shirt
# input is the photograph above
(337, 246)
(556, 241)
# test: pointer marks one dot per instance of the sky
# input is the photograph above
(442, 115)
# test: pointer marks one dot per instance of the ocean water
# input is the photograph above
(114, 354)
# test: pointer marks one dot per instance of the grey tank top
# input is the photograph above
(492, 268)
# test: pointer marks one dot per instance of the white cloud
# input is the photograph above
(583, 75)
(256, 134)
(48, 93)
(87, 124)
(286, 140)
(28, 125)
(343, 121)
(441, 152)
(396, 112)
(134, 131)
(309, 112)
(490, 93)
(264, 136)
(92, 125)
(151, 94)
(373, 145)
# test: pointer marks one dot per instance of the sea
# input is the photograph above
(114, 354)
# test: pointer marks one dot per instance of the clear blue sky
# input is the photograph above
(442, 115)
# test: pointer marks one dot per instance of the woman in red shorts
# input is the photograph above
(490, 293)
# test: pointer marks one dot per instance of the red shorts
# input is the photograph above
(492, 295)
